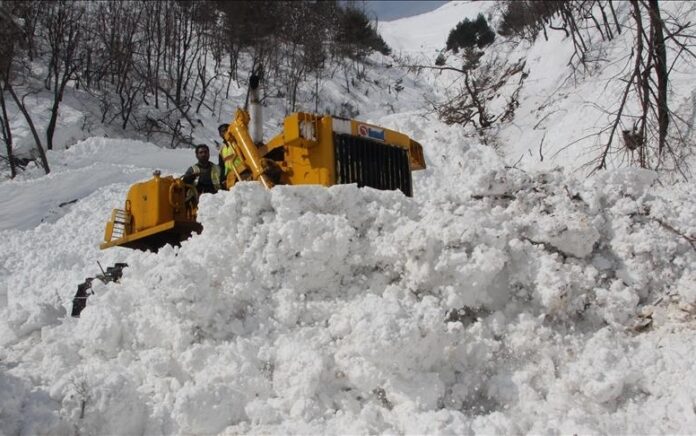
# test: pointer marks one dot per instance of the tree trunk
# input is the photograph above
(7, 135)
(662, 75)
(616, 20)
(57, 98)
(30, 122)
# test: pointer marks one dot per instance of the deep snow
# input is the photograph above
(497, 300)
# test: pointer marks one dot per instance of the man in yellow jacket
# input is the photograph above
(204, 173)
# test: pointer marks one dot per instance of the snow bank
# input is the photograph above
(503, 304)
(77, 172)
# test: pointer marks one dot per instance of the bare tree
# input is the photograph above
(645, 139)
(62, 21)
(643, 129)
(131, 55)
(12, 37)
(119, 47)
(481, 84)
(9, 35)
(6, 132)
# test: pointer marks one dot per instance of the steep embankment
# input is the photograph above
(564, 108)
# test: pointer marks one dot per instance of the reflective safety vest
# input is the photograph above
(233, 161)
(214, 174)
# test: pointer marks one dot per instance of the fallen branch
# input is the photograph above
(689, 239)
(494, 196)
(550, 248)
(541, 144)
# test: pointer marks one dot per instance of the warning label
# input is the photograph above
(371, 132)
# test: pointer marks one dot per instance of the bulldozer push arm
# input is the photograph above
(240, 132)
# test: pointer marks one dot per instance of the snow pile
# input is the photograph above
(502, 305)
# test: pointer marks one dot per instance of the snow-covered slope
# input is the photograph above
(565, 109)
(427, 33)
(78, 172)
(495, 301)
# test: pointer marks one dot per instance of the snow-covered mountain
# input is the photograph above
(497, 300)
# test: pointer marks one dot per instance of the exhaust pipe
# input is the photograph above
(255, 110)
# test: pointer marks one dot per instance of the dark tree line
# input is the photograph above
(152, 64)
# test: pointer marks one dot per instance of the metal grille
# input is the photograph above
(371, 163)
(121, 220)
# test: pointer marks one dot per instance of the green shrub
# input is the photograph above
(470, 34)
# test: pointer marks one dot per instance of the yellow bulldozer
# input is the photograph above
(310, 150)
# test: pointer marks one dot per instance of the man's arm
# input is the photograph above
(190, 176)
(221, 165)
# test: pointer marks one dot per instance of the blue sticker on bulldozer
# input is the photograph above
(371, 132)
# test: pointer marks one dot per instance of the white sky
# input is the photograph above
(392, 10)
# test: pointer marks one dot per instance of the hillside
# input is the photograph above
(564, 109)
(507, 296)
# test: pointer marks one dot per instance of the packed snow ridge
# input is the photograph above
(497, 302)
